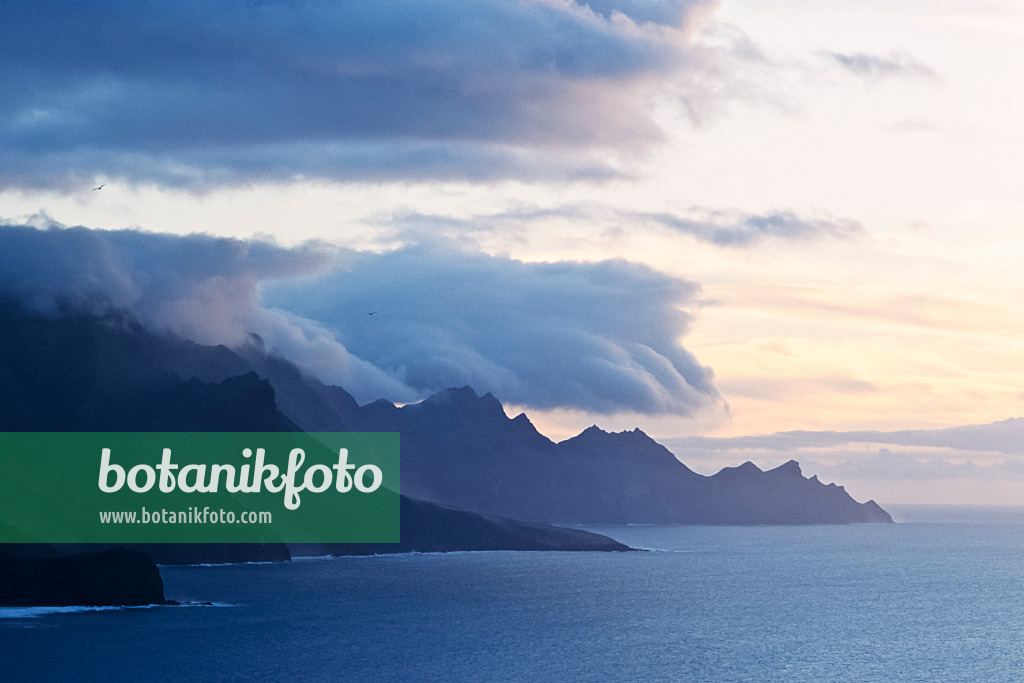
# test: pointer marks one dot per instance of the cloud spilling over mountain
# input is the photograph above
(602, 336)
(196, 93)
(596, 336)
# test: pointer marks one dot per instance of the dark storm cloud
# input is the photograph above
(595, 336)
(198, 92)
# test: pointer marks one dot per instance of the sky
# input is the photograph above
(715, 221)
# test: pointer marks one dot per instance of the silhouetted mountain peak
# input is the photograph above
(459, 405)
(523, 425)
(634, 438)
(382, 405)
(790, 468)
(256, 341)
(747, 469)
(462, 397)
(452, 395)
(625, 447)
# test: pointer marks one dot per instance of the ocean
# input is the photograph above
(937, 597)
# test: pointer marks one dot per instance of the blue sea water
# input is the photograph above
(939, 597)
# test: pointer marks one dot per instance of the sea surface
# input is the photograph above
(937, 597)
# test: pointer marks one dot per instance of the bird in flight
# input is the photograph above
(100, 187)
(373, 313)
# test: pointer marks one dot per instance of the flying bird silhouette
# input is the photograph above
(100, 187)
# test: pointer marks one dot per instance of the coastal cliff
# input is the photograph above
(115, 576)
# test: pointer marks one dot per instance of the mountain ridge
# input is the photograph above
(459, 449)
(462, 450)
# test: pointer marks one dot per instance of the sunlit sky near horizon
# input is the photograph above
(830, 190)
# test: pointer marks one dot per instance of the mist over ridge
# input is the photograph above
(400, 325)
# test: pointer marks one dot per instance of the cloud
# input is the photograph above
(198, 286)
(991, 455)
(1005, 437)
(970, 463)
(917, 124)
(594, 336)
(597, 336)
(738, 229)
(895, 65)
(196, 93)
(666, 12)
(787, 388)
(913, 466)
(721, 227)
